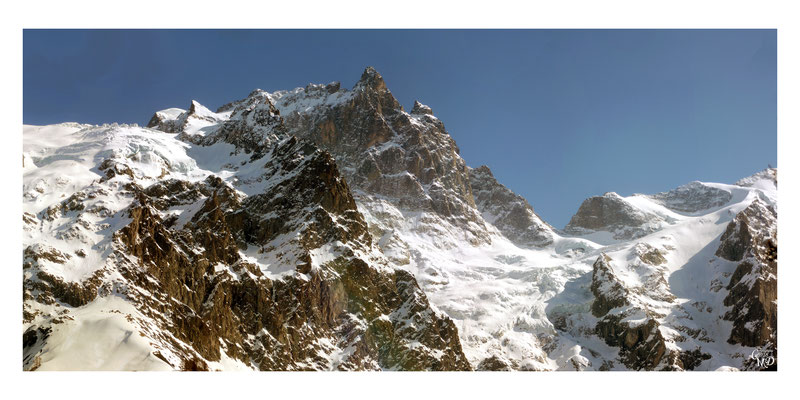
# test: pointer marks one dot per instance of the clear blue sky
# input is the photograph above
(558, 115)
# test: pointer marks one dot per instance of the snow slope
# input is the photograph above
(500, 294)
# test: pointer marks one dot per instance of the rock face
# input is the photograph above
(167, 120)
(508, 211)
(493, 363)
(630, 316)
(751, 239)
(217, 298)
(384, 151)
(693, 197)
(421, 109)
(275, 272)
(254, 125)
(612, 213)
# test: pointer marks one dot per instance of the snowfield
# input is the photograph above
(500, 295)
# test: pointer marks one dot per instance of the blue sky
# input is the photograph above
(558, 115)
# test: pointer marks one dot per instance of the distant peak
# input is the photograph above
(200, 111)
(421, 109)
(256, 92)
(371, 79)
(195, 107)
(770, 175)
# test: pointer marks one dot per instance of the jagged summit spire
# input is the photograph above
(371, 79)
(370, 71)
(420, 108)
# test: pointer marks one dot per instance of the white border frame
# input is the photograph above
(584, 14)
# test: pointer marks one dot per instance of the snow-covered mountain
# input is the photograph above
(327, 228)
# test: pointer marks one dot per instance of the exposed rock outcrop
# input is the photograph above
(752, 240)
(508, 211)
(276, 269)
(628, 320)
(612, 213)
(384, 151)
(692, 197)
(254, 125)
(421, 109)
(494, 363)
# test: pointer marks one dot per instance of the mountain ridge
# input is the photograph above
(407, 258)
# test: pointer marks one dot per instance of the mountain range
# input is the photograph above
(326, 228)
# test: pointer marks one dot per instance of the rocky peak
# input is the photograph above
(195, 106)
(176, 120)
(371, 79)
(748, 231)
(767, 177)
(421, 109)
(383, 150)
(611, 213)
(752, 240)
(199, 111)
(256, 93)
(371, 93)
(254, 125)
(165, 120)
(257, 101)
(171, 120)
